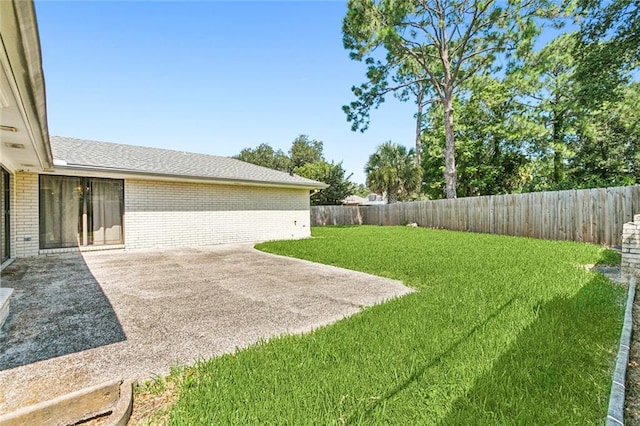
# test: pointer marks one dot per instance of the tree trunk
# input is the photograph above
(419, 126)
(450, 174)
(558, 157)
(558, 166)
(392, 195)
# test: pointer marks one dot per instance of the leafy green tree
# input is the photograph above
(306, 159)
(608, 144)
(361, 190)
(616, 20)
(442, 44)
(491, 137)
(551, 94)
(609, 48)
(333, 175)
(391, 170)
(304, 151)
(580, 141)
(265, 156)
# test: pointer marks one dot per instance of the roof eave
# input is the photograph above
(23, 67)
(125, 173)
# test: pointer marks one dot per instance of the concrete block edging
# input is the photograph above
(615, 412)
(114, 399)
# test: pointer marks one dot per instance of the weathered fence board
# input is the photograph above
(585, 215)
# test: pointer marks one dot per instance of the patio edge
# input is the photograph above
(5, 303)
(113, 399)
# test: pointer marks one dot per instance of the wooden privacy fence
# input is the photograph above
(585, 215)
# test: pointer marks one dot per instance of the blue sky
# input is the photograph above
(209, 77)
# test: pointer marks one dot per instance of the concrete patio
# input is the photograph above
(78, 320)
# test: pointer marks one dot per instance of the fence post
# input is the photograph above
(585, 215)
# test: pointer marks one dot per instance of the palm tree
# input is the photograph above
(392, 170)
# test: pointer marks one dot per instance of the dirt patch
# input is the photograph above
(153, 399)
(152, 409)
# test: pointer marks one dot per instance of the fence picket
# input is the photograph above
(586, 215)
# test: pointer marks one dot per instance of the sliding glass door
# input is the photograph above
(78, 211)
(60, 200)
(106, 211)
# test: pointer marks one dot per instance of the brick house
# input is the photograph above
(105, 195)
(64, 194)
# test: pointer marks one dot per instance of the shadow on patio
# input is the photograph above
(58, 308)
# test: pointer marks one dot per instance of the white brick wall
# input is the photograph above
(162, 213)
(24, 214)
(631, 247)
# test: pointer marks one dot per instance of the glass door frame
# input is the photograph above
(6, 214)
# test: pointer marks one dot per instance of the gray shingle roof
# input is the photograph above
(79, 153)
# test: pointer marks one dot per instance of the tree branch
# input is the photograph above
(469, 33)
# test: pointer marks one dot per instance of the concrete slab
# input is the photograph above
(78, 320)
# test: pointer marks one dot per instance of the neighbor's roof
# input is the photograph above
(71, 153)
(354, 199)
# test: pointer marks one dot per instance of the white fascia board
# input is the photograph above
(22, 64)
(87, 171)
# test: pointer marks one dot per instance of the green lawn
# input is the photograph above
(502, 330)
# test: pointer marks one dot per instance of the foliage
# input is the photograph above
(306, 159)
(493, 339)
(361, 190)
(436, 47)
(490, 144)
(609, 48)
(549, 90)
(601, 146)
(608, 144)
(265, 156)
(333, 175)
(305, 151)
(391, 170)
(530, 131)
(616, 20)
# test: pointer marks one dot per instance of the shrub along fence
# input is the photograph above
(585, 215)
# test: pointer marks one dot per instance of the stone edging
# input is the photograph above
(123, 408)
(113, 398)
(615, 413)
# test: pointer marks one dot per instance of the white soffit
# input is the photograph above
(17, 151)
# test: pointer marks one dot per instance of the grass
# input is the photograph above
(500, 330)
(610, 258)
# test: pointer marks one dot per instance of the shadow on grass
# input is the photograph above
(436, 360)
(562, 362)
(57, 308)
